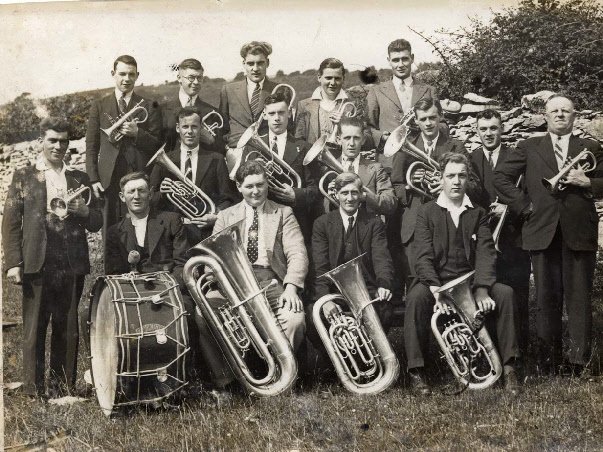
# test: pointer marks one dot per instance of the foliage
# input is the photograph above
(74, 108)
(541, 44)
(18, 120)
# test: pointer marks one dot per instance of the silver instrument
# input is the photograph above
(113, 131)
(556, 184)
(59, 205)
(217, 124)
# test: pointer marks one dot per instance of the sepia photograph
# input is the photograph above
(301, 225)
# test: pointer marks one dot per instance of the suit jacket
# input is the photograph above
(24, 223)
(166, 239)
(431, 244)
(235, 108)
(327, 244)
(101, 154)
(283, 239)
(169, 112)
(573, 208)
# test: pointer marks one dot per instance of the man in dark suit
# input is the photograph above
(513, 263)
(190, 78)
(559, 231)
(452, 239)
(47, 253)
(107, 160)
(206, 169)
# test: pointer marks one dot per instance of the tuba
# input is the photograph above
(113, 131)
(463, 338)
(59, 205)
(184, 194)
(246, 325)
(555, 184)
(356, 343)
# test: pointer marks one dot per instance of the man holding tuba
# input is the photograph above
(559, 229)
(452, 238)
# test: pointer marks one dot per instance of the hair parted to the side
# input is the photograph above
(185, 112)
(344, 179)
(426, 103)
(399, 45)
(453, 157)
(125, 59)
(276, 98)
(331, 63)
(191, 63)
(355, 122)
(255, 48)
(53, 123)
(248, 168)
(135, 175)
(488, 113)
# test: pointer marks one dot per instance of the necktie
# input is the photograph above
(122, 104)
(274, 146)
(490, 158)
(255, 101)
(350, 166)
(189, 103)
(402, 87)
(559, 153)
(429, 147)
(188, 165)
(252, 238)
(350, 226)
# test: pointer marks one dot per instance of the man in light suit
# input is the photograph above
(190, 79)
(107, 161)
(560, 231)
(276, 250)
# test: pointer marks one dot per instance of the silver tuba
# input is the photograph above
(59, 205)
(184, 194)
(556, 184)
(113, 131)
(246, 324)
(356, 343)
(463, 338)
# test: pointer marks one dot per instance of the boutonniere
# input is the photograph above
(474, 237)
(297, 149)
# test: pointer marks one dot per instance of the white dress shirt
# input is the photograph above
(344, 218)
(56, 182)
(563, 141)
(455, 211)
(405, 95)
(430, 149)
(326, 103)
(140, 228)
(262, 254)
(183, 97)
(355, 164)
(281, 142)
(127, 97)
(251, 88)
(194, 160)
(493, 156)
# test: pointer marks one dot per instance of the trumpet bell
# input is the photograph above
(395, 141)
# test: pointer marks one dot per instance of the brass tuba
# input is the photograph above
(555, 184)
(184, 194)
(463, 338)
(356, 343)
(113, 131)
(246, 322)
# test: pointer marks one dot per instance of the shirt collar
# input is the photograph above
(184, 149)
(260, 208)
(555, 137)
(119, 94)
(344, 159)
(408, 81)
(317, 94)
(447, 204)
(183, 97)
(345, 216)
(495, 152)
(139, 221)
(434, 141)
(42, 165)
(281, 139)
(251, 84)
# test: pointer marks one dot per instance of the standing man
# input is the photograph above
(513, 263)
(559, 231)
(47, 253)
(108, 159)
(190, 79)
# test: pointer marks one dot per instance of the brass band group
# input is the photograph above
(251, 243)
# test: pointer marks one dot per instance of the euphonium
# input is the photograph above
(464, 339)
(184, 194)
(245, 323)
(217, 124)
(555, 184)
(113, 131)
(356, 343)
(59, 205)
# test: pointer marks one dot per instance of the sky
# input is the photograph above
(61, 47)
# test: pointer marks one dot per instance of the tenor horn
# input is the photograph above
(556, 184)
(463, 338)
(59, 205)
(113, 131)
(356, 343)
(245, 325)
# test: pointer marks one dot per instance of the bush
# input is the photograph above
(74, 108)
(18, 120)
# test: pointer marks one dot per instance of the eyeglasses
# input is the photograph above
(192, 78)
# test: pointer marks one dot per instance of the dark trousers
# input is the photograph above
(50, 297)
(417, 323)
(559, 273)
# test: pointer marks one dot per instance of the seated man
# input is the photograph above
(275, 247)
(452, 238)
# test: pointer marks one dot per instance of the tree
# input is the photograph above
(18, 120)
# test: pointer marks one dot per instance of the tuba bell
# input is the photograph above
(246, 325)
(356, 343)
(463, 338)
(113, 131)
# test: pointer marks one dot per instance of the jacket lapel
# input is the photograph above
(313, 109)
(291, 151)
(361, 229)
(418, 92)
(546, 153)
(203, 162)
(241, 93)
(154, 232)
(335, 237)
(389, 90)
(470, 217)
(110, 106)
(365, 175)
(574, 147)
(271, 224)
(441, 231)
(127, 234)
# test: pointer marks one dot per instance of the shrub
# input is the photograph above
(74, 108)
(18, 120)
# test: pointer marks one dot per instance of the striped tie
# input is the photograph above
(188, 165)
(274, 146)
(490, 158)
(252, 238)
(122, 104)
(255, 101)
(189, 103)
(559, 153)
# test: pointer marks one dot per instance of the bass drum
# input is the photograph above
(138, 339)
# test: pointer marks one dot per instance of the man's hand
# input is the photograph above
(15, 275)
(286, 195)
(497, 209)
(440, 303)
(206, 220)
(330, 309)
(483, 300)
(578, 178)
(98, 190)
(78, 207)
(129, 129)
(384, 294)
(289, 299)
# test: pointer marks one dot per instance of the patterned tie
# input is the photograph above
(490, 158)
(122, 104)
(274, 146)
(255, 101)
(559, 153)
(252, 238)
(429, 147)
(189, 103)
(188, 164)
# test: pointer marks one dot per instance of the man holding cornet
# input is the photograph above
(562, 175)
(46, 250)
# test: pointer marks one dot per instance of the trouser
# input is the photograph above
(561, 273)
(417, 323)
(50, 297)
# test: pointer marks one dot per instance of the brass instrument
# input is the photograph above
(59, 205)
(183, 193)
(555, 184)
(217, 124)
(394, 141)
(245, 324)
(356, 343)
(113, 131)
(463, 338)
(503, 217)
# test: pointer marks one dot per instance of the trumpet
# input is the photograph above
(501, 221)
(183, 193)
(356, 343)
(217, 124)
(463, 338)
(113, 131)
(556, 184)
(59, 205)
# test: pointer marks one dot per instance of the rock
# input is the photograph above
(477, 99)
(511, 123)
(474, 108)
(534, 122)
(513, 113)
(535, 102)
(451, 106)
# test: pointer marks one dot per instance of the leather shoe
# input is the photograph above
(512, 385)
(418, 385)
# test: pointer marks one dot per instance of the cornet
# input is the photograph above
(113, 131)
(59, 206)
(217, 124)
(556, 184)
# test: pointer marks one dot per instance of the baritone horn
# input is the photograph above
(355, 341)
(59, 205)
(183, 193)
(463, 338)
(217, 124)
(556, 184)
(113, 131)
(244, 327)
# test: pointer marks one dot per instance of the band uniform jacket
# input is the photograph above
(573, 208)
(165, 238)
(235, 108)
(101, 154)
(24, 223)
(169, 113)
(431, 244)
(283, 239)
(327, 246)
